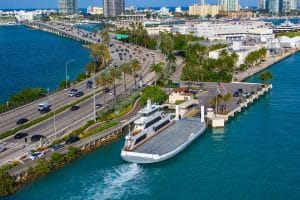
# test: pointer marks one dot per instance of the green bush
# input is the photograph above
(154, 93)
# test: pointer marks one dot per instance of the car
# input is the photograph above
(240, 90)
(111, 93)
(36, 155)
(99, 105)
(79, 94)
(136, 76)
(72, 139)
(37, 137)
(246, 94)
(57, 147)
(2, 149)
(73, 92)
(73, 108)
(20, 135)
(89, 84)
(236, 94)
(22, 121)
(106, 90)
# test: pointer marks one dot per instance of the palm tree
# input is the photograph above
(104, 80)
(126, 70)
(105, 37)
(135, 66)
(100, 54)
(157, 69)
(115, 74)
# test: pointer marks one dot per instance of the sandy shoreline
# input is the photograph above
(264, 65)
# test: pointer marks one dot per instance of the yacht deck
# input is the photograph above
(171, 138)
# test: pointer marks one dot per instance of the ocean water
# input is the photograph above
(31, 58)
(256, 156)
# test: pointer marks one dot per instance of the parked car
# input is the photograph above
(246, 94)
(22, 121)
(37, 137)
(72, 139)
(236, 94)
(57, 147)
(99, 105)
(36, 155)
(73, 108)
(73, 92)
(20, 135)
(79, 94)
(111, 93)
(2, 149)
(240, 90)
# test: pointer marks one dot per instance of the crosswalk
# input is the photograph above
(12, 145)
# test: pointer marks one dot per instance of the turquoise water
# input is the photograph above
(30, 58)
(256, 156)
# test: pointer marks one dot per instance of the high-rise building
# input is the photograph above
(273, 6)
(113, 8)
(262, 4)
(68, 6)
(230, 5)
(288, 5)
(204, 10)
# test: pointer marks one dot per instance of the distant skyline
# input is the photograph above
(17, 4)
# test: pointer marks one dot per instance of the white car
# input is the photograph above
(36, 155)
(2, 149)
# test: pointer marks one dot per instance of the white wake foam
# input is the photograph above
(116, 183)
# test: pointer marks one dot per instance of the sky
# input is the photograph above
(15, 4)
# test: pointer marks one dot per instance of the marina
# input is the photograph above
(250, 141)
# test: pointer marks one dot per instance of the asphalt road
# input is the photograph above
(60, 99)
(16, 147)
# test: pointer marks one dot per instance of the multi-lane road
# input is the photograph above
(15, 148)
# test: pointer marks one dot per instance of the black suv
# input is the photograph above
(72, 139)
(22, 121)
(20, 135)
(37, 137)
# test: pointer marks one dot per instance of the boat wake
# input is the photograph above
(117, 183)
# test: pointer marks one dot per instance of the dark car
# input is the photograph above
(106, 90)
(240, 90)
(73, 108)
(57, 147)
(22, 121)
(20, 135)
(99, 105)
(79, 94)
(89, 84)
(37, 137)
(72, 139)
(236, 94)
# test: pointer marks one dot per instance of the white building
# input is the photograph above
(228, 31)
(287, 42)
(178, 10)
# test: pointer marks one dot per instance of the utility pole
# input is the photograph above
(67, 72)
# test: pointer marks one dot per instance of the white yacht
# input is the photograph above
(157, 137)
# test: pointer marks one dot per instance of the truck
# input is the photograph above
(44, 107)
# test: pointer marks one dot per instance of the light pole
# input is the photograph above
(67, 72)
(54, 117)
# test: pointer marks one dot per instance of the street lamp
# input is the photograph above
(54, 117)
(67, 72)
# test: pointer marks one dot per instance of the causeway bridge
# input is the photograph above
(66, 30)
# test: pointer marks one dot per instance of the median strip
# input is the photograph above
(42, 118)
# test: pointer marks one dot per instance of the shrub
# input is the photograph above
(154, 93)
